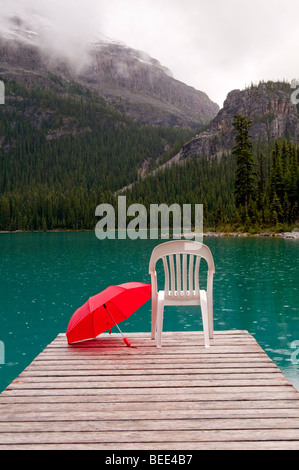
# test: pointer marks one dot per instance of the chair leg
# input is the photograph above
(160, 311)
(205, 318)
(211, 319)
(154, 318)
(211, 325)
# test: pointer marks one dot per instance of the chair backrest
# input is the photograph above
(181, 261)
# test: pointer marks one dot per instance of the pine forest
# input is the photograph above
(60, 157)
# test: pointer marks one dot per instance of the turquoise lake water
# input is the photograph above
(45, 277)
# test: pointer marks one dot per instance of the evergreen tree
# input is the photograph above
(261, 185)
(276, 176)
(244, 187)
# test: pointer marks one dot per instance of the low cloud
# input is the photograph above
(64, 29)
(213, 45)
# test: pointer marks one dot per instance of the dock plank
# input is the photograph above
(102, 395)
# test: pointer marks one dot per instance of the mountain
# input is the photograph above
(76, 128)
(141, 88)
(129, 80)
(268, 106)
(204, 170)
(63, 148)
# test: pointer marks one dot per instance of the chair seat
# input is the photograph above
(179, 298)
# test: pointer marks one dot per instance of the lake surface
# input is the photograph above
(45, 277)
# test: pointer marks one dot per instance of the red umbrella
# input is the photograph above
(106, 309)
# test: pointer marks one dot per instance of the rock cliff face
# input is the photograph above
(141, 87)
(268, 106)
(130, 80)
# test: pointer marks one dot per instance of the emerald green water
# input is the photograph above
(45, 277)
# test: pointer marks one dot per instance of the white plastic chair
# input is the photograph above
(181, 262)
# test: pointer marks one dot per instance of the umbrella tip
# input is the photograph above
(127, 342)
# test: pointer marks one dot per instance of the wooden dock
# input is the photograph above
(103, 395)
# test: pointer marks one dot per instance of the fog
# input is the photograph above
(64, 29)
(213, 45)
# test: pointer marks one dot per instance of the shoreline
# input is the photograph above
(293, 235)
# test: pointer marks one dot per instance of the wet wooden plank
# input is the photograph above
(102, 395)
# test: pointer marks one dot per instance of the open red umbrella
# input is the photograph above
(106, 309)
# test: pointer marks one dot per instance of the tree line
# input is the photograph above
(252, 188)
(266, 189)
(62, 156)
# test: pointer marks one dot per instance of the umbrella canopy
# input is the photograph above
(106, 309)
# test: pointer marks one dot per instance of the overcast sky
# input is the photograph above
(213, 45)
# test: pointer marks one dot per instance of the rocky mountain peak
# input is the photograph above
(130, 80)
(148, 91)
(262, 103)
(269, 107)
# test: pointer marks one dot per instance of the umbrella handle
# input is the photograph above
(126, 341)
